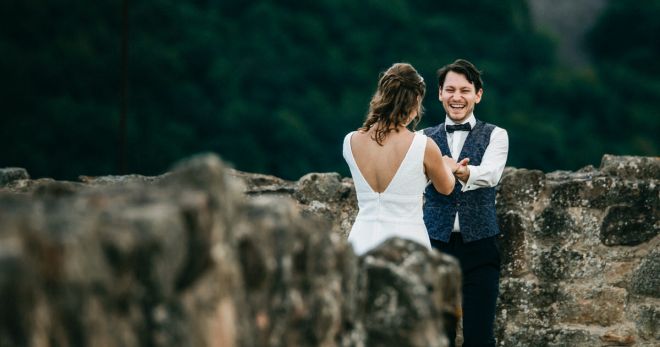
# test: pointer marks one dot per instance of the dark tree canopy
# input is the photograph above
(272, 86)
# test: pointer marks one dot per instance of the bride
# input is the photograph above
(391, 165)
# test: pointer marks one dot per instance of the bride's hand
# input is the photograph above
(451, 163)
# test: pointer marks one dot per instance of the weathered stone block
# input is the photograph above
(628, 225)
(618, 274)
(573, 337)
(17, 282)
(107, 266)
(619, 336)
(120, 180)
(11, 174)
(557, 263)
(299, 286)
(515, 295)
(512, 242)
(646, 279)
(520, 187)
(567, 193)
(525, 335)
(645, 194)
(553, 223)
(319, 187)
(586, 305)
(627, 167)
(526, 302)
(598, 192)
(409, 292)
(581, 190)
(647, 322)
(260, 184)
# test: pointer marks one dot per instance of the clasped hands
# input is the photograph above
(459, 169)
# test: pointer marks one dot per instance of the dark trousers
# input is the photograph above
(480, 267)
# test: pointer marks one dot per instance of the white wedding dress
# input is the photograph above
(397, 211)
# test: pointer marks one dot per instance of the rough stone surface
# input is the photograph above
(402, 282)
(648, 322)
(629, 167)
(11, 174)
(520, 187)
(580, 304)
(201, 257)
(629, 225)
(118, 266)
(646, 278)
(580, 262)
(118, 180)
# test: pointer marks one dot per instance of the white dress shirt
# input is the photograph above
(489, 172)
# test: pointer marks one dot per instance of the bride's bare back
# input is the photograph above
(378, 164)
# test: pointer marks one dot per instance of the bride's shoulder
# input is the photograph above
(357, 134)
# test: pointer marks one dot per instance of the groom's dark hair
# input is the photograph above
(464, 68)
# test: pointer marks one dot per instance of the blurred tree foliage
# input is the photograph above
(273, 86)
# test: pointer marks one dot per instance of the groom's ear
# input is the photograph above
(480, 93)
(440, 93)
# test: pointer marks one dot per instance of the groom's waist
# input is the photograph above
(468, 234)
(481, 196)
(460, 205)
(475, 221)
(468, 214)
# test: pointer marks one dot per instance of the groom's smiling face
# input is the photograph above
(458, 96)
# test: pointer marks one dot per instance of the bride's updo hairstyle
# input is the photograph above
(399, 94)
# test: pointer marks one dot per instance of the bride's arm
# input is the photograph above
(437, 170)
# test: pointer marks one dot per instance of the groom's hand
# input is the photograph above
(463, 172)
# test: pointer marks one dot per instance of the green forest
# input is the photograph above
(273, 86)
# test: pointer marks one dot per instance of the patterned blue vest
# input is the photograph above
(476, 208)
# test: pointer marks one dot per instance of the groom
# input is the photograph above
(463, 224)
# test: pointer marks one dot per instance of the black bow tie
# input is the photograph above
(458, 127)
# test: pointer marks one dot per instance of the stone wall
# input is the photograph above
(581, 255)
(581, 261)
(185, 259)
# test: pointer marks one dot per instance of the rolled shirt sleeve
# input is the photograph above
(489, 172)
